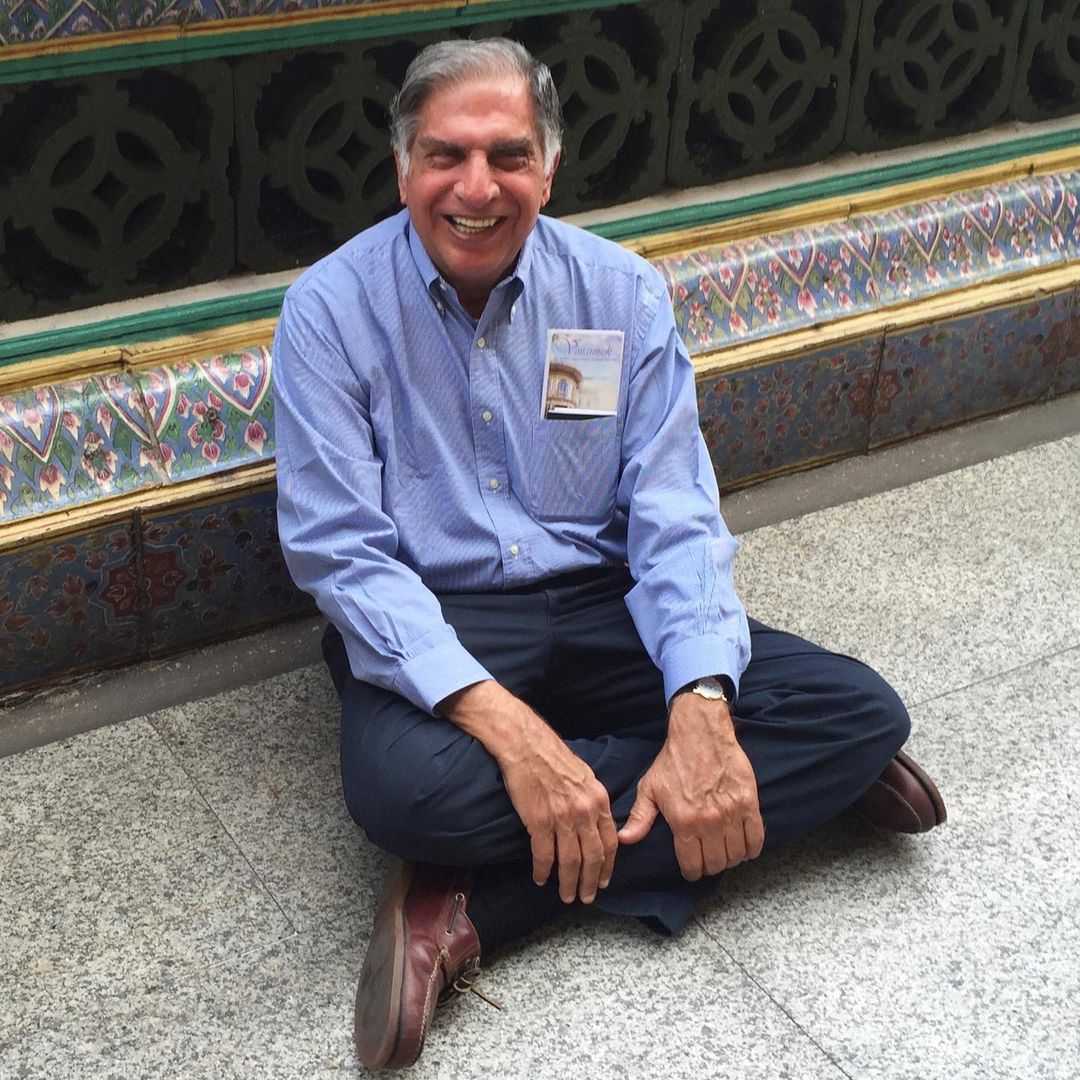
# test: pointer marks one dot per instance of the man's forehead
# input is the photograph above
(479, 94)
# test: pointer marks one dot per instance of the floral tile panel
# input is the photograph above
(212, 414)
(942, 374)
(35, 20)
(214, 571)
(1067, 379)
(56, 615)
(763, 286)
(74, 442)
(760, 420)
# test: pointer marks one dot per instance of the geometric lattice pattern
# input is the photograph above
(928, 69)
(115, 185)
(314, 166)
(764, 84)
(130, 183)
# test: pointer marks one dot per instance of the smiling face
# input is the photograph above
(476, 182)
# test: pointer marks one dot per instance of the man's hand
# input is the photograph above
(561, 803)
(704, 785)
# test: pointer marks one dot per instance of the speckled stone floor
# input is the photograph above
(183, 894)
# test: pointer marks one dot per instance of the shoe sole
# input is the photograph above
(385, 965)
(929, 786)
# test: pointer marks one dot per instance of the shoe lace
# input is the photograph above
(465, 983)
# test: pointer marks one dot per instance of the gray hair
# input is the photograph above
(447, 63)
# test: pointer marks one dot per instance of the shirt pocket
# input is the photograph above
(571, 469)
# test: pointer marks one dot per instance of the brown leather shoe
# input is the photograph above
(903, 799)
(422, 946)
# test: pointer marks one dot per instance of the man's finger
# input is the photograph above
(735, 841)
(543, 853)
(610, 839)
(592, 862)
(754, 828)
(569, 856)
(639, 821)
(715, 854)
(688, 852)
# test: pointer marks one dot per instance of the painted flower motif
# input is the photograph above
(33, 419)
(243, 382)
(255, 433)
(51, 480)
(70, 422)
(72, 603)
(6, 476)
(806, 301)
(737, 323)
(208, 429)
(105, 418)
(251, 361)
(7, 445)
(36, 586)
(98, 462)
(183, 406)
(161, 456)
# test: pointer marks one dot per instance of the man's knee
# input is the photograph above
(427, 809)
(880, 713)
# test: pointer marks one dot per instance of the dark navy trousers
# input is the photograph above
(817, 727)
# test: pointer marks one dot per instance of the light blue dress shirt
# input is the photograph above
(413, 459)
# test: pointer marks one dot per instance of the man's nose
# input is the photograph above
(476, 186)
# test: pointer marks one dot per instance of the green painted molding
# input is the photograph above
(211, 40)
(191, 318)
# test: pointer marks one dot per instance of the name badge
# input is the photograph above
(582, 372)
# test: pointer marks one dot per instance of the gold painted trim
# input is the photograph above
(55, 369)
(953, 304)
(844, 207)
(224, 27)
(140, 357)
(224, 339)
(164, 498)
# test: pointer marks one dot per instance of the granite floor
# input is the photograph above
(183, 895)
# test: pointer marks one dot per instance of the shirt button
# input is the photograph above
(493, 484)
(514, 549)
(480, 342)
(486, 414)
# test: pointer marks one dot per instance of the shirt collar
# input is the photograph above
(433, 280)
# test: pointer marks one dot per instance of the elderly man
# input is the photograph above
(491, 479)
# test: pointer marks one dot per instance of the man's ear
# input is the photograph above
(400, 179)
(546, 193)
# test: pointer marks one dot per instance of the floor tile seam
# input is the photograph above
(193, 780)
(997, 675)
(778, 1005)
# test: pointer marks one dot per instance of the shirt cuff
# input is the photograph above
(695, 658)
(437, 672)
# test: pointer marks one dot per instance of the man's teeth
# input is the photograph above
(473, 224)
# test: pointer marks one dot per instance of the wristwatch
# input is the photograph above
(710, 688)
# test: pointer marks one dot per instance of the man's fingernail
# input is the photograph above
(605, 883)
(588, 899)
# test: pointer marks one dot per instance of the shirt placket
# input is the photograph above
(489, 415)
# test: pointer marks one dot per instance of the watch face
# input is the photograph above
(710, 689)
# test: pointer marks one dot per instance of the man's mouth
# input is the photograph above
(472, 225)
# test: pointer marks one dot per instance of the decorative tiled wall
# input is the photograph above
(38, 20)
(767, 285)
(146, 586)
(128, 182)
(90, 439)
(169, 578)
